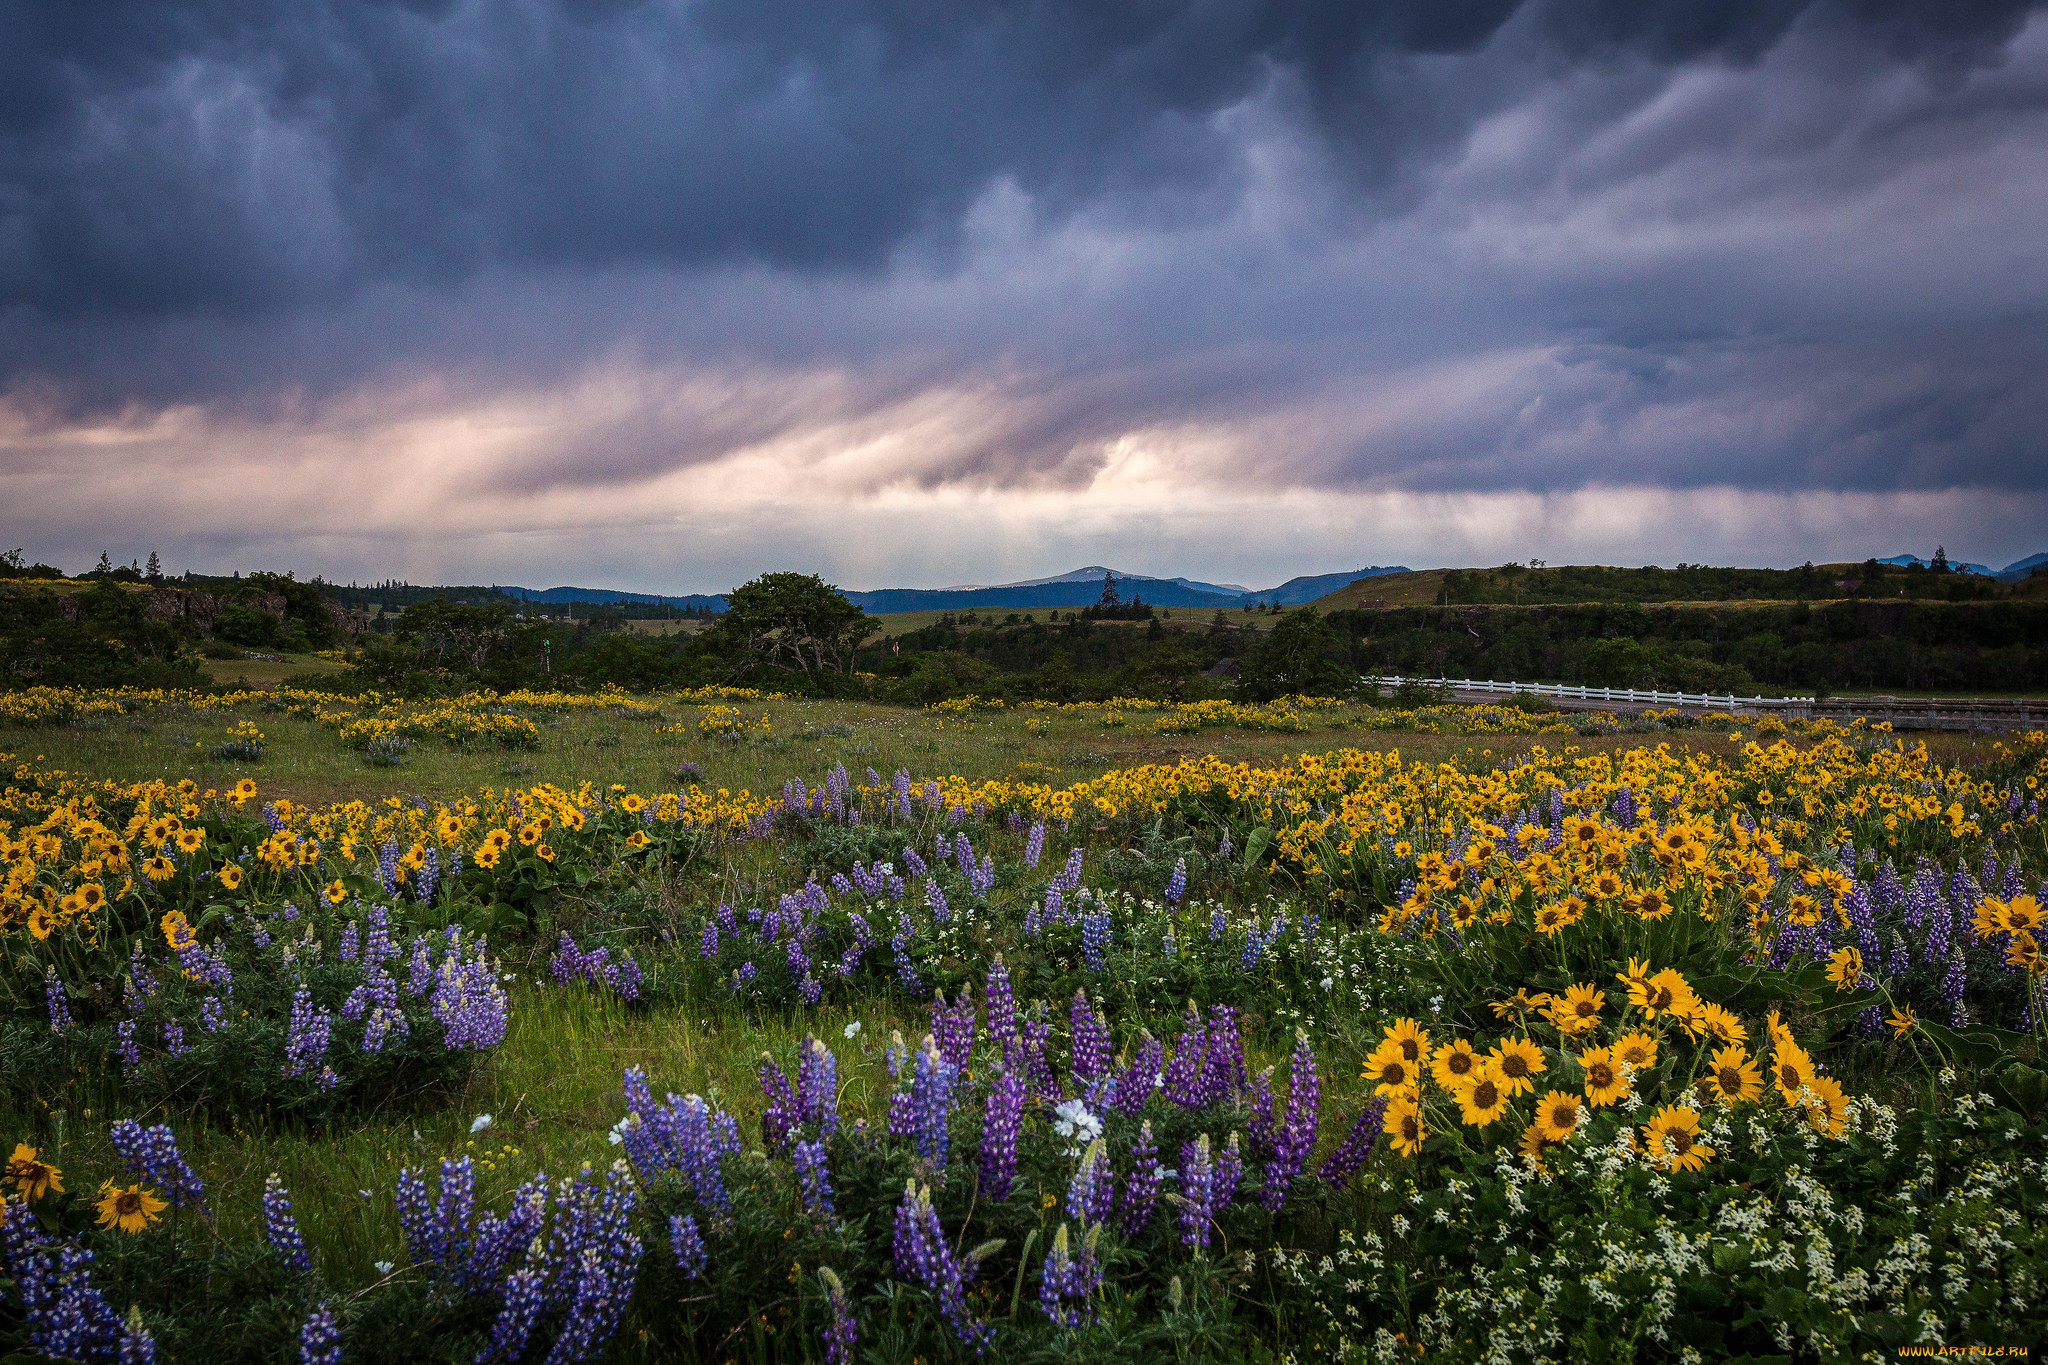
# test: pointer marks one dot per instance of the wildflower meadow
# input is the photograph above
(352, 1028)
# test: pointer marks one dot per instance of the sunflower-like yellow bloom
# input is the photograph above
(1791, 1070)
(159, 868)
(1733, 1078)
(127, 1210)
(1411, 1038)
(1637, 1051)
(1519, 1062)
(1558, 1114)
(31, 1176)
(1578, 1009)
(1604, 1083)
(1481, 1097)
(1403, 1123)
(1453, 1062)
(1389, 1069)
(1845, 968)
(1672, 1139)
(1825, 1107)
(1903, 1021)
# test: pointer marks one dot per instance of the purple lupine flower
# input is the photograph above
(1034, 844)
(1002, 1005)
(1038, 1074)
(469, 1002)
(1177, 885)
(1183, 1076)
(935, 900)
(906, 970)
(1953, 984)
(282, 1229)
(779, 1114)
(931, 1092)
(1092, 1186)
(1224, 849)
(351, 942)
(387, 867)
(914, 863)
(498, 1241)
(415, 1218)
(137, 1346)
(130, 1051)
(1094, 938)
(813, 1177)
(1001, 1121)
(152, 1153)
(1625, 808)
(954, 1026)
(1090, 1045)
(453, 1209)
(688, 1245)
(525, 1300)
(419, 978)
(1219, 924)
(174, 1039)
(1297, 1133)
(841, 1333)
(1229, 1171)
(817, 1086)
(1223, 1057)
(1135, 1086)
(57, 1000)
(320, 1338)
(212, 1014)
(63, 1314)
(920, 1254)
(1068, 1280)
(1141, 1186)
(1198, 1187)
(1357, 1145)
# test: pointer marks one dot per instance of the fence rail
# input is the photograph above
(1908, 713)
(1579, 692)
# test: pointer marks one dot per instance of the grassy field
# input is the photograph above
(305, 763)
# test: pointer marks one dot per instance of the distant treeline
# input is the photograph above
(1520, 584)
(1999, 646)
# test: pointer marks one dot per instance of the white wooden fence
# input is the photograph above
(1577, 692)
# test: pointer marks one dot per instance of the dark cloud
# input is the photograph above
(164, 158)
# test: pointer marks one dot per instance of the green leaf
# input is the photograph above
(1255, 844)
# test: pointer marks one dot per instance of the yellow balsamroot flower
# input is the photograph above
(1903, 1020)
(244, 789)
(1557, 1115)
(176, 928)
(1636, 1051)
(1721, 1024)
(1578, 1009)
(129, 1210)
(32, 1177)
(529, 834)
(1519, 1062)
(91, 896)
(1534, 1147)
(159, 868)
(1558, 916)
(1845, 968)
(1389, 1069)
(1824, 1105)
(1453, 1062)
(336, 892)
(1653, 905)
(1672, 1139)
(1604, 1082)
(1403, 1123)
(1636, 979)
(2023, 952)
(487, 856)
(632, 804)
(1791, 1070)
(1733, 1078)
(1520, 1005)
(230, 876)
(638, 839)
(1665, 993)
(41, 921)
(1779, 1035)
(1481, 1097)
(544, 853)
(189, 840)
(1411, 1038)
(499, 839)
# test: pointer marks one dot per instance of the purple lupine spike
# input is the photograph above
(1357, 1146)
(1070, 875)
(1229, 1171)
(525, 1300)
(1094, 938)
(1297, 1134)
(1001, 1122)
(1223, 1058)
(1090, 1045)
(453, 1209)
(1068, 1280)
(320, 1338)
(1002, 1005)
(935, 901)
(688, 1246)
(307, 1035)
(1887, 892)
(932, 1098)
(921, 1254)
(817, 1085)
(281, 1229)
(1084, 1187)
(415, 1217)
(1953, 984)
(1177, 884)
(57, 1001)
(1219, 924)
(152, 1153)
(1183, 1076)
(1197, 1183)
(1034, 844)
(1141, 1186)
(840, 1333)
(1135, 1086)
(813, 1178)
(1625, 807)
(1038, 1072)
(780, 1114)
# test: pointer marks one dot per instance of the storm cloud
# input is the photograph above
(533, 272)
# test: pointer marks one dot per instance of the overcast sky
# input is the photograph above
(661, 295)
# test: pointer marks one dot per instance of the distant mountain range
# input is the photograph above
(1080, 588)
(2011, 573)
